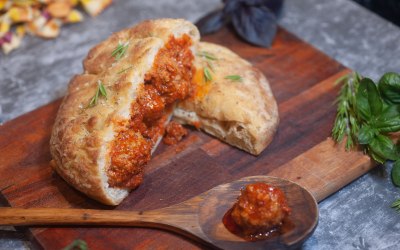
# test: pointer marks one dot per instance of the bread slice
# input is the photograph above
(92, 136)
(236, 105)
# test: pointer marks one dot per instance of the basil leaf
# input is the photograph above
(383, 148)
(396, 173)
(256, 25)
(366, 134)
(231, 6)
(374, 99)
(389, 87)
(211, 23)
(362, 103)
(274, 5)
(389, 120)
(368, 100)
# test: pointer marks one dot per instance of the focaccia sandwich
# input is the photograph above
(115, 112)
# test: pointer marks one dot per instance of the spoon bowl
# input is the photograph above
(199, 218)
(300, 224)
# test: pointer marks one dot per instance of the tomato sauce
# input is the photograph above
(169, 80)
(260, 212)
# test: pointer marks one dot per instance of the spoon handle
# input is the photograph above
(62, 216)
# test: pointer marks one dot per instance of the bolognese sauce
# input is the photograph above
(169, 80)
(259, 212)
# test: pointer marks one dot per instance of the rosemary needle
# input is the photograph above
(120, 50)
(124, 70)
(235, 78)
(207, 74)
(100, 91)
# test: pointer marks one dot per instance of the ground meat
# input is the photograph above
(260, 208)
(132, 150)
(168, 81)
(174, 133)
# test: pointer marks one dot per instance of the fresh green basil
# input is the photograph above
(366, 135)
(383, 148)
(389, 86)
(396, 173)
(367, 115)
(369, 102)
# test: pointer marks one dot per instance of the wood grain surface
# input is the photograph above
(198, 218)
(302, 79)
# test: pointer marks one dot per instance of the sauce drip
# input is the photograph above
(286, 226)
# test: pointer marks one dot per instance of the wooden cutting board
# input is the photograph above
(302, 79)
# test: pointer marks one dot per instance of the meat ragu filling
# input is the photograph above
(169, 80)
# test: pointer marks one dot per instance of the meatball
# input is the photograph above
(260, 208)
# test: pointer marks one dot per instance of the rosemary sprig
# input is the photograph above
(124, 70)
(346, 118)
(235, 78)
(207, 74)
(120, 50)
(100, 91)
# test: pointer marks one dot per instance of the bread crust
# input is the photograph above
(242, 113)
(81, 135)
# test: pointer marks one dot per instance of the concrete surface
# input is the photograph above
(356, 217)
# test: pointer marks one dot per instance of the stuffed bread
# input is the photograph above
(115, 113)
(233, 100)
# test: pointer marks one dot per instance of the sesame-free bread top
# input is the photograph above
(240, 110)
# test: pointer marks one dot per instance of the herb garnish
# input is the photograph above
(100, 91)
(235, 78)
(210, 67)
(124, 70)
(368, 113)
(254, 21)
(77, 244)
(120, 50)
(207, 74)
(207, 55)
(345, 123)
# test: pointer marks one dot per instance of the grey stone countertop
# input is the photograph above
(356, 217)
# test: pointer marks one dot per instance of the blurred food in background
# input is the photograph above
(42, 18)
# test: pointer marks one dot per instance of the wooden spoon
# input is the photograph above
(199, 218)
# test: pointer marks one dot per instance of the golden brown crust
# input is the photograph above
(81, 135)
(242, 113)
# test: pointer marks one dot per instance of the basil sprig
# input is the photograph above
(255, 21)
(368, 113)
